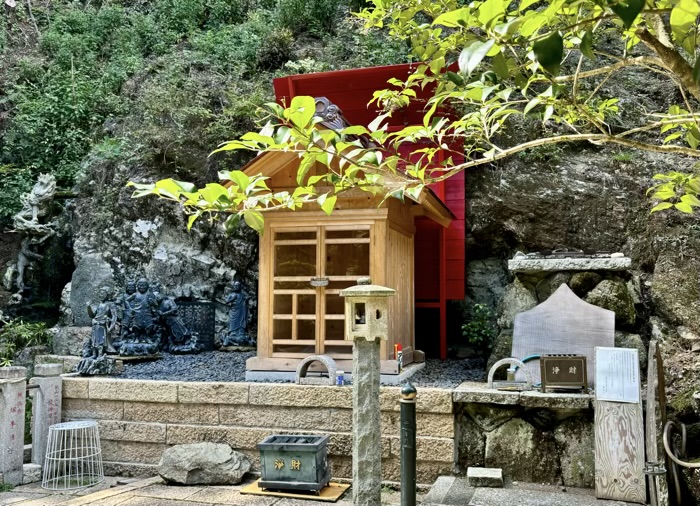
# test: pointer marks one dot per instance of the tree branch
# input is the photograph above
(673, 61)
(628, 62)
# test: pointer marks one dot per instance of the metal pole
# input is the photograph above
(408, 445)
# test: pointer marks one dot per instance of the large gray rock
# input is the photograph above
(471, 443)
(523, 452)
(675, 293)
(549, 285)
(583, 282)
(516, 299)
(627, 340)
(489, 416)
(576, 443)
(69, 340)
(203, 464)
(615, 296)
(91, 273)
(486, 280)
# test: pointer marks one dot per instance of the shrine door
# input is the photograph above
(310, 267)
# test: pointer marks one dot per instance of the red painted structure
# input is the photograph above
(439, 252)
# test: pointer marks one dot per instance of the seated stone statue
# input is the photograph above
(178, 338)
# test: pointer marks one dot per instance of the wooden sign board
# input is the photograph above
(619, 427)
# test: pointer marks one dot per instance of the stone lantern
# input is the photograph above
(366, 324)
(366, 314)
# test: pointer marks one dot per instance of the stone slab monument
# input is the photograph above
(563, 324)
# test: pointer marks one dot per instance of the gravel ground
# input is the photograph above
(223, 366)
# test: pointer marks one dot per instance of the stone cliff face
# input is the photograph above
(591, 198)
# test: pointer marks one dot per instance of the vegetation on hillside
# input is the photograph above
(89, 86)
(496, 65)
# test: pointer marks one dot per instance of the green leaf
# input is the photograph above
(696, 71)
(691, 200)
(500, 66)
(628, 10)
(471, 56)
(683, 207)
(455, 78)
(683, 18)
(586, 45)
(490, 11)
(239, 179)
(327, 203)
(454, 19)
(255, 220)
(303, 109)
(549, 52)
(191, 220)
(307, 162)
(661, 207)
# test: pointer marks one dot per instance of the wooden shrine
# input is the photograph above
(306, 258)
(439, 251)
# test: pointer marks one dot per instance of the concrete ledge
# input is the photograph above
(569, 264)
(478, 393)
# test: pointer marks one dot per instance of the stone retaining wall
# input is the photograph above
(140, 419)
(533, 437)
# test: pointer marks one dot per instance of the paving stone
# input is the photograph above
(449, 491)
(152, 501)
(167, 492)
(485, 477)
(523, 497)
(7, 498)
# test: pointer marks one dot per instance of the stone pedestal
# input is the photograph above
(367, 447)
(46, 406)
(13, 385)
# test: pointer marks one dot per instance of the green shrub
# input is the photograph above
(275, 50)
(13, 183)
(479, 330)
(17, 335)
(314, 16)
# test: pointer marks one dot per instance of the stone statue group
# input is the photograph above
(144, 321)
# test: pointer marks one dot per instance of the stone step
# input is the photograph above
(485, 477)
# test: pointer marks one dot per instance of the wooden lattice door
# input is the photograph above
(310, 266)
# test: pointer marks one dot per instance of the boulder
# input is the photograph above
(675, 293)
(523, 452)
(576, 443)
(627, 340)
(615, 296)
(471, 443)
(549, 285)
(203, 464)
(583, 282)
(490, 416)
(91, 273)
(516, 299)
(69, 340)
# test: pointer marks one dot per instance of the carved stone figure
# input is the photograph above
(141, 335)
(178, 338)
(123, 316)
(36, 205)
(104, 318)
(237, 301)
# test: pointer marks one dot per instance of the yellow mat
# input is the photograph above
(330, 493)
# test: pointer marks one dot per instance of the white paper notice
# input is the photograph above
(617, 374)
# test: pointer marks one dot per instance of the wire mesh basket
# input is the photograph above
(73, 456)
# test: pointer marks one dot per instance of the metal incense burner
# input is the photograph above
(294, 462)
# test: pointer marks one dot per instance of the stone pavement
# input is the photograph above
(153, 492)
(447, 491)
(454, 491)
